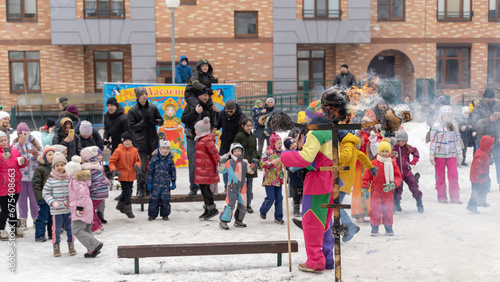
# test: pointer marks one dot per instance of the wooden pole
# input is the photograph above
(336, 201)
(288, 223)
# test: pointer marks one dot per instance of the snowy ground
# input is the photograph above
(446, 243)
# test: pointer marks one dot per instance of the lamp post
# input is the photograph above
(173, 4)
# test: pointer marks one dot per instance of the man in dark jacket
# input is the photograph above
(345, 79)
(190, 116)
(201, 81)
(486, 121)
(115, 123)
(143, 118)
(183, 71)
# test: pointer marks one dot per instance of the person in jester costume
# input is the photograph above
(318, 185)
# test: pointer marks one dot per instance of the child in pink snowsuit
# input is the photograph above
(444, 153)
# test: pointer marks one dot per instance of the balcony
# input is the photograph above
(104, 13)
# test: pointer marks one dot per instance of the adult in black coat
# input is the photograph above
(345, 79)
(229, 120)
(190, 116)
(115, 123)
(261, 131)
(143, 118)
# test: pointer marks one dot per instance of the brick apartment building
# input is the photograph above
(70, 47)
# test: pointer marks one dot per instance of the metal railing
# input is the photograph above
(460, 15)
(321, 13)
(104, 13)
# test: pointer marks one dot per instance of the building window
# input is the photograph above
(24, 72)
(314, 9)
(311, 66)
(453, 67)
(391, 10)
(494, 12)
(494, 65)
(104, 9)
(454, 10)
(21, 10)
(188, 2)
(246, 24)
(108, 68)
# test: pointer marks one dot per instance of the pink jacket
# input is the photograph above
(10, 172)
(79, 196)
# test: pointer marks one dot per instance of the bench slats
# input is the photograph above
(201, 249)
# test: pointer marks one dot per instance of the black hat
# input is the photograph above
(201, 92)
(345, 66)
(489, 93)
(112, 101)
(126, 136)
(139, 91)
(50, 122)
(230, 105)
(62, 99)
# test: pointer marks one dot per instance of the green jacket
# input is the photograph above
(249, 143)
(42, 173)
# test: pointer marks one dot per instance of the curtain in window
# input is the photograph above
(30, 8)
(333, 8)
(118, 9)
(33, 76)
(14, 9)
(17, 76)
(308, 8)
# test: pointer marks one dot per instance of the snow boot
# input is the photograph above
(239, 224)
(23, 225)
(193, 192)
(353, 229)
(296, 210)
(141, 191)
(95, 252)
(249, 209)
(205, 213)
(101, 217)
(128, 211)
(19, 233)
(165, 218)
(420, 206)
(397, 206)
(279, 221)
(212, 211)
(374, 230)
(305, 268)
(57, 250)
(297, 222)
(120, 206)
(71, 249)
(151, 218)
(388, 230)
(223, 225)
(4, 235)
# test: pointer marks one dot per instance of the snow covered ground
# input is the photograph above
(446, 243)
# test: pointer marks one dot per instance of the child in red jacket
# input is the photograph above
(382, 188)
(480, 174)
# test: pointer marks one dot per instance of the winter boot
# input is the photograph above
(296, 210)
(420, 206)
(120, 206)
(165, 217)
(128, 211)
(193, 192)
(23, 224)
(353, 229)
(397, 206)
(71, 249)
(101, 217)
(19, 233)
(239, 224)
(249, 209)
(279, 221)
(212, 211)
(223, 225)
(297, 222)
(57, 250)
(141, 191)
(374, 230)
(305, 268)
(388, 230)
(205, 213)
(4, 235)
(95, 252)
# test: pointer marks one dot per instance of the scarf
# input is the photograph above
(388, 168)
(58, 175)
(200, 135)
(92, 165)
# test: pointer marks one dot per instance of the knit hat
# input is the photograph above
(401, 135)
(269, 99)
(63, 101)
(66, 119)
(203, 125)
(88, 153)
(230, 105)
(139, 91)
(59, 148)
(112, 101)
(4, 114)
(59, 157)
(466, 110)
(257, 103)
(74, 165)
(85, 128)
(45, 151)
(72, 109)
(489, 93)
(384, 146)
(345, 66)
(22, 127)
(199, 93)
(314, 110)
(50, 122)
(127, 136)
(164, 143)
(288, 142)
(2, 134)
(301, 117)
(273, 139)
(99, 151)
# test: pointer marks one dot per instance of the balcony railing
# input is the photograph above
(455, 16)
(105, 13)
(321, 14)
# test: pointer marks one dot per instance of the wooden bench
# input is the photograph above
(177, 199)
(205, 249)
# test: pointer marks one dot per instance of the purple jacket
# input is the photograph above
(79, 196)
(403, 157)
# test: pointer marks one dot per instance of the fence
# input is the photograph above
(37, 115)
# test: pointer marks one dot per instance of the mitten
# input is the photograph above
(79, 211)
(146, 118)
(150, 185)
(223, 160)
(365, 194)
(389, 187)
(255, 161)
(431, 159)
(173, 186)
(137, 167)
(55, 204)
(115, 173)
(374, 171)
(483, 176)
(414, 161)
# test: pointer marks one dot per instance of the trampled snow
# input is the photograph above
(445, 243)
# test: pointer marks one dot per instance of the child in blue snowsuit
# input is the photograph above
(236, 168)
(161, 179)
